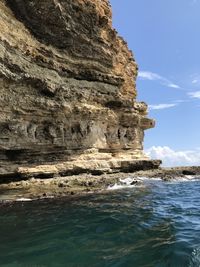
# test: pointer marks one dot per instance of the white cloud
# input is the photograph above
(171, 157)
(161, 106)
(147, 75)
(180, 101)
(194, 94)
(151, 76)
(172, 85)
(195, 81)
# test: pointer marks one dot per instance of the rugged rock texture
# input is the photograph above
(67, 91)
(76, 185)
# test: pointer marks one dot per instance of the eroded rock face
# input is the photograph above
(67, 88)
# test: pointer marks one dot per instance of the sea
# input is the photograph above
(153, 224)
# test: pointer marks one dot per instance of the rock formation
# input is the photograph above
(67, 91)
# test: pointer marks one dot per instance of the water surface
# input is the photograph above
(154, 225)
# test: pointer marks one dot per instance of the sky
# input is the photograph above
(165, 39)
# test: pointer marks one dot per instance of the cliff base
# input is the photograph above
(39, 188)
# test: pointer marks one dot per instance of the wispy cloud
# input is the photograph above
(195, 81)
(171, 157)
(179, 101)
(162, 106)
(147, 75)
(172, 85)
(194, 94)
(151, 76)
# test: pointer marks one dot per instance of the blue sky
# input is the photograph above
(165, 39)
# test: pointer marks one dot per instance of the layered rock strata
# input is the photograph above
(67, 91)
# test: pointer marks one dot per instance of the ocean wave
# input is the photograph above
(195, 258)
(125, 183)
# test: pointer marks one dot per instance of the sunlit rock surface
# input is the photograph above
(67, 91)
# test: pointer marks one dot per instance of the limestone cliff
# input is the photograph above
(67, 91)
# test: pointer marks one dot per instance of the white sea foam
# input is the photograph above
(144, 178)
(124, 183)
(127, 181)
(23, 199)
(140, 181)
(187, 178)
(195, 258)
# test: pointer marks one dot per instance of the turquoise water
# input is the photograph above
(154, 225)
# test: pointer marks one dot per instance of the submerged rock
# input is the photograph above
(67, 92)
